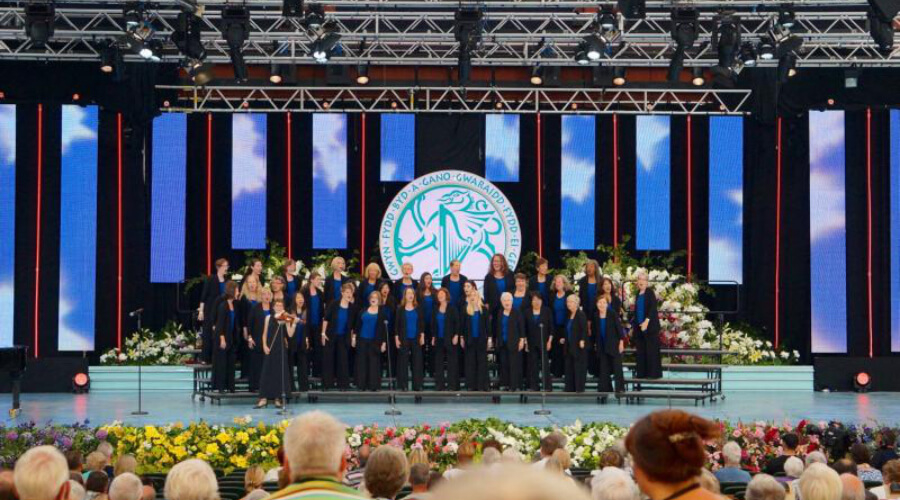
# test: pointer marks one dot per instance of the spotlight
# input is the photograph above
(362, 74)
(633, 9)
(726, 39)
(139, 31)
(786, 16)
(830, 101)
(315, 17)
(862, 382)
(607, 20)
(748, 55)
(698, 80)
(684, 32)
(200, 73)
(39, 22)
(581, 56)
(236, 29)
(468, 34)
(324, 47)
(292, 8)
(787, 67)
(766, 49)
(851, 78)
(619, 76)
(881, 17)
(276, 75)
(81, 383)
(76, 97)
(110, 59)
(537, 75)
(187, 36)
(594, 46)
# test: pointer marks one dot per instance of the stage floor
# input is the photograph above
(163, 408)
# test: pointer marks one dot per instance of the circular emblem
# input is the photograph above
(445, 216)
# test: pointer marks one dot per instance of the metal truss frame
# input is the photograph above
(403, 32)
(270, 99)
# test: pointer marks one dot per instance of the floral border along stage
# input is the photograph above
(228, 447)
(149, 348)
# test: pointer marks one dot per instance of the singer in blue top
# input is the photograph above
(575, 343)
(510, 333)
(336, 342)
(559, 290)
(445, 342)
(225, 335)
(315, 305)
(300, 347)
(539, 331)
(425, 293)
(645, 331)
(335, 279)
(409, 339)
(520, 294)
(370, 341)
(541, 282)
(454, 283)
(405, 282)
(497, 281)
(369, 284)
(609, 346)
(478, 341)
(291, 282)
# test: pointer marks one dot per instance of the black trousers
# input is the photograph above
(476, 366)
(511, 367)
(538, 368)
(336, 362)
(368, 364)
(576, 370)
(301, 361)
(256, 361)
(607, 366)
(410, 356)
(649, 358)
(224, 361)
(446, 366)
(315, 354)
(558, 353)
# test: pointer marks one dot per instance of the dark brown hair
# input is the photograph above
(667, 445)
(521, 276)
(231, 289)
(220, 262)
(540, 261)
(504, 265)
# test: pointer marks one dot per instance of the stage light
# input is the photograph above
(851, 78)
(166, 103)
(619, 76)
(292, 8)
(362, 74)
(698, 80)
(76, 97)
(607, 20)
(111, 59)
(275, 74)
(748, 55)
(594, 46)
(786, 16)
(315, 17)
(2, 95)
(633, 9)
(766, 49)
(787, 67)
(684, 32)
(81, 383)
(139, 29)
(236, 29)
(830, 101)
(581, 56)
(726, 39)
(862, 382)
(537, 75)
(325, 46)
(187, 36)
(498, 105)
(468, 31)
(39, 22)
(881, 15)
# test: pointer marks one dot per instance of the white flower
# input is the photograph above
(123, 357)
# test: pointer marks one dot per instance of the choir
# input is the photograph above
(341, 332)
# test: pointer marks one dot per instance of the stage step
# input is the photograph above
(688, 352)
(673, 381)
(684, 367)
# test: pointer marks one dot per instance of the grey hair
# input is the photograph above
(614, 484)
(815, 457)
(793, 467)
(820, 482)
(192, 479)
(731, 452)
(765, 487)
(126, 486)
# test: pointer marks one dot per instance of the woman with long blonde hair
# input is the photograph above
(477, 333)
(369, 283)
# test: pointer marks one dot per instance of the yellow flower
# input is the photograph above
(212, 449)
(242, 437)
(239, 461)
(223, 438)
(179, 452)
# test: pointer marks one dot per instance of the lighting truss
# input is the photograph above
(421, 32)
(271, 99)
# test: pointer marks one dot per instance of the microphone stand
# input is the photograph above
(393, 411)
(140, 410)
(284, 410)
(544, 374)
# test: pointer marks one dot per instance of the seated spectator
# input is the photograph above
(256, 495)
(490, 456)
(125, 463)
(96, 485)
(491, 443)
(709, 482)
(564, 459)
(126, 486)
(852, 487)
(885, 452)
(549, 443)
(96, 461)
(789, 443)
(355, 476)
(75, 459)
(254, 478)
(863, 459)
(76, 490)
(511, 456)
(314, 459)
(7, 485)
(149, 488)
(464, 455)
(815, 457)
(41, 473)
(191, 480)
(793, 468)
(890, 474)
(612, 483)
(510, 482)
(418, 455)
(731, 472)
(107, 450)
(77, 477)
(435, 478)
(611, 457)
(845, 466)
(668, 452)
(386, 472)
(819, 482)
(419, 476)
(764, 487)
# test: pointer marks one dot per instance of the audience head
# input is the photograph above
(465, 453)
(709, 482)
(75, 459)
(562, 456)
(7, 485)
(191, 480)
(126, 486)
(77, 477)
(96, 460)
(845, 466)
(667, 446)
(418, 455)
(492, 443)
(888, 438)
(314, 446)
(793, 467)
(42, 474)
(107, 449)
(820, 482)
(815, 457)
(125, 463)
(549, 444)
(386, 472)
(510, 482)
(860, 453)
(76, 491)
(363, 454)
(611, 457)
(891, 471)
(254, 478)
(490, 456)
(419, 477)
(731, 454)
(512, 455)
(790, 441)
(613, 483)
(765, 487)
(97, 481)
(852, 487)
(149, 488)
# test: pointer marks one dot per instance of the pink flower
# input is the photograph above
(736, 433)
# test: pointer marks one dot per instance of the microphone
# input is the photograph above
(135, 312)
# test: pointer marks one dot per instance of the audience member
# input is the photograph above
(512, 456)
(355, 476)
(7, 485)
(75, 459)
(815, 457)
(254, 478)
(386, 472)
(256, 495)
(192, 479)
(77, 477)
(564, 459)
(76, 490)
(96, 485)
(149, 488)
(464, 455)
(890, 474)
(845, 466)
(314, 459)
(510, 482)
(793, 468)
(852, 487)
(419, 478)
(764, 487)
(731, 472)
(41, 473)
(611, 457)
(789, 443)
(107, 450)
(863, 459)
(96, 461)
(418, 455)
(667, 452)
(125, 463)
(491, 443)
(819, 482)
(886, 451)
(434, 480)
(612, 483)
(548, 445)
(490, 456)
(126, 486)
(709, 482)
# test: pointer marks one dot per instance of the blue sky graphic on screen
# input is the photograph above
(726, 198)
(398, 147)
(895, 230)
(501, 148)
(827, 232)
(78, 228)
(653, 183)
(248, 181)
(576, 231)
(168, 198)
(7, 221)
(329, 180)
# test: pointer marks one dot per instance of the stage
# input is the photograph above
(746, 406)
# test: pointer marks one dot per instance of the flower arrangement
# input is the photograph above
(146, 347)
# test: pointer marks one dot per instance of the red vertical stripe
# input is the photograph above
(778, 233)
(540, 188)
(690, 201)
(362, 204)
(119, 232)
(37, 243)
(288, 163)
(209, 194)
(615, 180)
(869, 225)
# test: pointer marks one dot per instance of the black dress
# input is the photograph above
(275, 379)
(212, 290)
(646, 343)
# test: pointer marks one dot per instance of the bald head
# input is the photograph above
(7, 488)
(852, 488)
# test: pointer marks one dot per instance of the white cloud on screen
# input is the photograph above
(503, 142)
(7, 306)
(826, 129)
(70, 338)
(248, 166)
(652, 132)
(724, 259)
(75, 126)
(577, 172)
(827, 214)
(330, 149)
(737, 197)
(8, 133)
(388, 169)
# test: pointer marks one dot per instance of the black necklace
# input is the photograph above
(683, 491)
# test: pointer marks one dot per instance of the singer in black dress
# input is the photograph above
(542, 281)
(257, 320)
(445, 342)
(336, 340)
(609, 344)
(496, 282)
(369, 341)
(575, 345)
(539, 330)
(213, 288)
(300, 345)
(510, 334)
(275, 382)
(476, 328)
(409, 337)
(316, 301)
(645, 331)
(225, 335)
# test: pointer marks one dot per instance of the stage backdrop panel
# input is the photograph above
(168, 198)
(78, 228)
(827, 232)
(248, 181)
(501, 148)
(577, 191)
(7, 221)
(398, 147)
(329, 181)
(895, 229)
(653, 183)
(726, 198)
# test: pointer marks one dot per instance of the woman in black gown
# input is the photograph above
(213, 288)
(257, 321)
(275, 382)
(225, 335)
(645, 331)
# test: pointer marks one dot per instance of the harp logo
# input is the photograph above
(446, 216)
